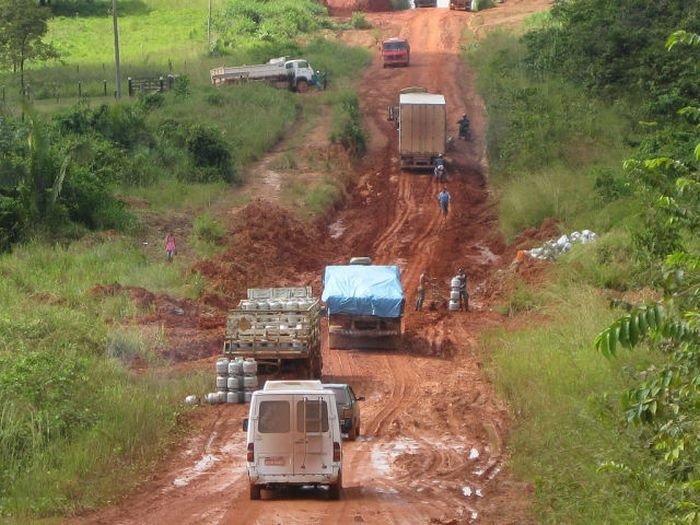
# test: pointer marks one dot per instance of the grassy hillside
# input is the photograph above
(78, 427)
(556, 150)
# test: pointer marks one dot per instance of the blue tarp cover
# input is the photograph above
(363, 290)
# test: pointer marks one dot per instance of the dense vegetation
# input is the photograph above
(595, 121)
(76, 426)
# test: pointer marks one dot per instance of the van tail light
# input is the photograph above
(250, 453)
(336, 451)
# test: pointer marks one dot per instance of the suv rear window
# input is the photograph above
(341, 396)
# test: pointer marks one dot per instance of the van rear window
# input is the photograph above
(308, 417)
(273, 417)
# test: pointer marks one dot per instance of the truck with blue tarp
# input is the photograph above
(364, 305)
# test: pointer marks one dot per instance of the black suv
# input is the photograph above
(348, 408)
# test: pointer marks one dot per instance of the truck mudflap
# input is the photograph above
(347, 331)
(347, 342)
(417, 161)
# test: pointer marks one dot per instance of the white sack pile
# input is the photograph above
(553, 249)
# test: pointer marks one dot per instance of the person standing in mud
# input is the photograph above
(170, 247)
(420, 291)
(463, 295)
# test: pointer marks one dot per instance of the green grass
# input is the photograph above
(77, 426)
(135, 418)
(153, 30)
(566, 400)
(556, 152)
(546, 142)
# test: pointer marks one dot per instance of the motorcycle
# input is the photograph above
(440, 173)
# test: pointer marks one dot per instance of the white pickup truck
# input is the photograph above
(281, 72)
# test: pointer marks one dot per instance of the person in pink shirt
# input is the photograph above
(170, 247)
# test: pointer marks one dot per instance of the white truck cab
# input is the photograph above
(293, 437)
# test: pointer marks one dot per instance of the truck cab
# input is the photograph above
(293, 437)
(300, 74)
(396, 52)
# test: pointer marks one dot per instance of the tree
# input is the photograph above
(22, 24)
(667, 399)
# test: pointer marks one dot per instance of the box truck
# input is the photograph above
(421, 119)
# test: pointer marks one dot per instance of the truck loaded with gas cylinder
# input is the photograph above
(421, 119)
(281, 72)
(279, 328)
(364, 305)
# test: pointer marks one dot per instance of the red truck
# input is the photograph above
(396, 52)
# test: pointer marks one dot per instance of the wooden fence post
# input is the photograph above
(104, 87)
(161, 85)
(80, 89)
(131, 89)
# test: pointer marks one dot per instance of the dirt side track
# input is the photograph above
(433, 430)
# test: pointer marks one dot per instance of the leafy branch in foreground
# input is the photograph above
(667, 399)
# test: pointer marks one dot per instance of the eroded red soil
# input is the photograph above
(433, 448)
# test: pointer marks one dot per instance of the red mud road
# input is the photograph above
(431, 449)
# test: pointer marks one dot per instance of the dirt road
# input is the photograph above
(432, 449)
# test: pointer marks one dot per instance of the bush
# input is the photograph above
(609, 186)
(347, 124)
(359, 21)
(207, 229)
(151, 101)
(11, 221)
(322, 197)
(91, 202)
(210, 153)
(242, 22)
(181, 88)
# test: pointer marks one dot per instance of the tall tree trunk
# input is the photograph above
(21, 75)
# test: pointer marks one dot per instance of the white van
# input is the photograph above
(293, 437)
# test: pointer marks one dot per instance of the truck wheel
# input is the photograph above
(302, 86)
(254, 491)
(336, 488)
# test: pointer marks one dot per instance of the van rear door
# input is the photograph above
(274, 437)
(313, 437)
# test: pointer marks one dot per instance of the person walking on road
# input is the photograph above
(463, 295)
(444, 201)
(420, 291)
(170, 247)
